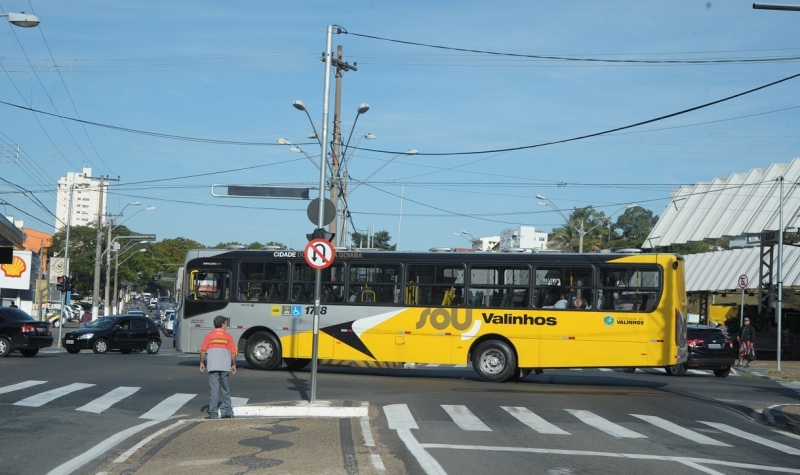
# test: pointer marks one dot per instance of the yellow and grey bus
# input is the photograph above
(505, 313)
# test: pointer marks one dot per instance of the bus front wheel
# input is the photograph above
(494, 361)
(263, 351)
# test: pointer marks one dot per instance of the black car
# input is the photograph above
(125, 333)
(20, 331)
(709, 348)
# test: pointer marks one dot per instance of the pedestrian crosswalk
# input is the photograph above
(117, 397)
(619, 426)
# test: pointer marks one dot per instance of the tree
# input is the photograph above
(635, 224)
(587, 221)
(380, 240)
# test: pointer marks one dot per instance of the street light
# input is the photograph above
(109, 245)
(581, 231)
(22, 19)
(294, 148)
(471, 238)
(116, 269)
(302, 107)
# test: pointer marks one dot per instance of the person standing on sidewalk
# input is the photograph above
(746, 340)
(221, 351)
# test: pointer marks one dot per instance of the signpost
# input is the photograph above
(319, 254)
(742, 284)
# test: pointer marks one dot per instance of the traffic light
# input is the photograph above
(70, 283)
(62, 283)
(320, 233)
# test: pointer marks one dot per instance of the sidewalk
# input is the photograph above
(328, 437)
(786, 417)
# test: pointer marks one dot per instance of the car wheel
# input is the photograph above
(57, 322)
(294, 364)
(722, 373)
(263, 351)
(629, 369)
(100, 346)
(5, 347)
(494, 361)
(153, 346)
(29, 352)
(125, 352)
(676, 370)
(73, 350)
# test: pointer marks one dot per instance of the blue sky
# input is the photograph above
(229, 72)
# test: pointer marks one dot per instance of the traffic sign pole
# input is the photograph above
(323, 165)
(743, 280)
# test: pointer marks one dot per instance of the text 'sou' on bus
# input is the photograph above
(506, 314)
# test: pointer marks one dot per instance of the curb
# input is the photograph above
(774, 416)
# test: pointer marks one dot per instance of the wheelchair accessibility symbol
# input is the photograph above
(297, 310)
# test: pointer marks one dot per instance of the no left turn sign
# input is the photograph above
(319, 253)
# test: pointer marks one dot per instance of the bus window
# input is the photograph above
(304, 280)
(499, 286)
(573, 283)
(629, 289)
(375, 283)
(209, 285)
(435, 285)
(263, 281)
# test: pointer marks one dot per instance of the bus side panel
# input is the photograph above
(595, 339)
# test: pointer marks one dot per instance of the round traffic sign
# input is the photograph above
(743, 281)
(319, 253)
(329, 212)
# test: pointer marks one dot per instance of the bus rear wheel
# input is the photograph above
(263, 351)
(494, 361)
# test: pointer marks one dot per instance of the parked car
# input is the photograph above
(56, 318)
(21, 332)
(167, 322)
(709, 348)
(120, 332)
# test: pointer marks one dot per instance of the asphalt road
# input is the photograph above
(57, 407)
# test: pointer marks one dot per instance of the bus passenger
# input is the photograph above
(562, 302)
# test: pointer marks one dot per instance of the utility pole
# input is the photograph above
(341, 66)
(99, 248)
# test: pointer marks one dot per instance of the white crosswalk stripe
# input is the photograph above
(605, 425)
(168, 406)
(107, 400)
(18, 386)
(533, 421)
(41, 399)
(465, 419)
(752, 437)
(680, 430)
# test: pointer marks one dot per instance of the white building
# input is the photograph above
(523, 237)
(85, 200)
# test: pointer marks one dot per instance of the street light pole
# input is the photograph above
(106, 305)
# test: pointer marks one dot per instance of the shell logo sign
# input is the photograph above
(18, 274)
(15, 268)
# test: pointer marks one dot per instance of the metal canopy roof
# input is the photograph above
(10, 235)
(743, 203)
(719, 271)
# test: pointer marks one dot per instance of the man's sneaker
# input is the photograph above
(209, 417)
(228, 416)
